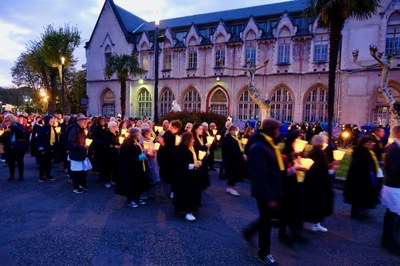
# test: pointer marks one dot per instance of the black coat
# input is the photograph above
(132, 178)
(361, 187)
(392, 163)
(77, 143)
(318, 192)
(203, 171)
(187, 190)
(233, 159)
(167, 157)
(43, 138)
(263, 170)
(14, 138)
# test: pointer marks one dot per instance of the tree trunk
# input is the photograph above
(335, 29)
(123, 98)
(51, 107)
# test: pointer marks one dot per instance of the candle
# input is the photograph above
(58, 130)
(324, 146)
(306, 162)
(1, 132)
(202, 154)
(299, 145)
(123, 132)
(244, 141)
(146, 144)
(158, 129)
(156, 146)
(177, 140)
(214, 131)
(121, 140)
(210, 139)
(88, 142)
(218, 137)
(338, 155)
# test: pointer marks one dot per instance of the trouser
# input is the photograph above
(78, 178)
(389, 228)
(221, 170)
(15, 157)
(45, 164)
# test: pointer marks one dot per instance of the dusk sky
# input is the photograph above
(23, 21)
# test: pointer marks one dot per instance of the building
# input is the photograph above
(295, 80)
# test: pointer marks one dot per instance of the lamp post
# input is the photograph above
(156, 49)
(62, 85)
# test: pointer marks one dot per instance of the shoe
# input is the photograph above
(107, 185)
(318, 228)
(268, 260)
(41, 179)
(21, 178)
(11, 178)
(141, 202)
(50, 178)
(232, 191)
(171, 195)
(190, 217)
(84, 187)
(78, 191)
(2, 160)
(133, 204)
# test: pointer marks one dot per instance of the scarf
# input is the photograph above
(277, 151)
(194, 155)
(239, 143)
(52, 136)
(138, 144)
(200, 140)
(373, 155)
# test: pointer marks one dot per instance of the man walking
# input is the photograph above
(265, 166)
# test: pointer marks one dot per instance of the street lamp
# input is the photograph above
(62, 84)
(156, 49)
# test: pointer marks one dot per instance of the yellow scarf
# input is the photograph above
(375, 160)
(194, 154)
(143, 164)
(277, 151)
(200, 140)
(208, 133)
(239, 143)
(52, 136)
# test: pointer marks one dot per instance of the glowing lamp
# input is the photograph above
(88, 142)
(215, 131)
(202, 154)
(345, 135)
(338, 155)
(177, 140)
(156, 146)
(244, 141)
(306, 162)
(146, 144)
(299, 145)
(210, 139)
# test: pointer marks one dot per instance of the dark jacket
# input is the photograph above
(14, 138)
(263, 168)
(43, 139)
(361, 188)
(392, 166)
(233, 159)
(167, 157)
(76, 143)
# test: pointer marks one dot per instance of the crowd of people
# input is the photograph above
(133, 155)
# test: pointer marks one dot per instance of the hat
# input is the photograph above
(81, 117)
(46, 119)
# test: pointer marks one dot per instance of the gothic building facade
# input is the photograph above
(202, 61)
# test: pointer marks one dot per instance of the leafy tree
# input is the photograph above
(123, 66)
(76, 90)
(333, 14)
(40, 65)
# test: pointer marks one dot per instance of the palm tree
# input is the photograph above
(333, 14)
(123, 66)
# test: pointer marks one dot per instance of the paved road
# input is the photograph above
(46, 224)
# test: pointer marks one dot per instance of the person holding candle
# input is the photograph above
(200, 144)
(98, 131)
(213, 132)
(318, 192)
(361, 187)
(78, 154)
(234, 158)
(149, 149)
(187, 191)
(109, 169)
(132, 178)
(46, 144)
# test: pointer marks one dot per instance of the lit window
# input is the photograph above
(144, 103)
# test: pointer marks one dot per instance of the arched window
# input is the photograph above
(247, 109)
(316, 106)
(107, 53)
(381, 113)
(393, 34)
(144, 103)
(108, 100)
(192, 101)
(282, 105)
(166, 99)
(219, 103)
